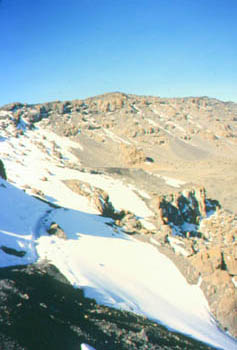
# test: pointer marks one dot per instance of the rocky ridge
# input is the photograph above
(152, 133)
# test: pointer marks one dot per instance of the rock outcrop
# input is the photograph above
(131, 155)
(183, 211)
(206, 235)
(98, 197)
(56, 230)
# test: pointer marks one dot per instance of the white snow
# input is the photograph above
(142, 193)
(159, 126)
(123, 273)
(86, 347)
(121, 196)
(234, 281)
(4, 113)
(148, 225)
(176, 126)
(19, 218)
(67, 143)
(111, 267)
(189, 227)
(115, 138)
(33, 165)
(173, 182)
(178, 246)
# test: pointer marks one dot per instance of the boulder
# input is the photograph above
(37, 192)
(2, 170)
(131, 155)
(95, 195)
(56, 230)
(102, 202)
(12, 251)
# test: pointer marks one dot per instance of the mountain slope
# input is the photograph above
(94, 252)
(124, 285)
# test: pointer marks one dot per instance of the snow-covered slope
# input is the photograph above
(110, 266)
(20, 215)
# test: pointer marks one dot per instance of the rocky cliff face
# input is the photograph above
(196, 227)
(183, 208)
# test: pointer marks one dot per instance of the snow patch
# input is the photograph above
(173, 182)
(234, 280)
(176, 244)
(115, 138)
(86, 347)
(170, 180)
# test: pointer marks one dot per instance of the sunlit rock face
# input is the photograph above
(207, 236)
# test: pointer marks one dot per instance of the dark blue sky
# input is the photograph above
(66, 49)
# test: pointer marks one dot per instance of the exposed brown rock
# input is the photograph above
(207, 260)
(188, 206)
(131, 155)
(230, 259)
(221, 294)
(56, 230)
(37, 192)
(97, 196)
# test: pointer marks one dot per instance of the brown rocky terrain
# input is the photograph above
(182, 152)
(192, 139)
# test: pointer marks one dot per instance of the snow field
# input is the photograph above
(120, 272)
